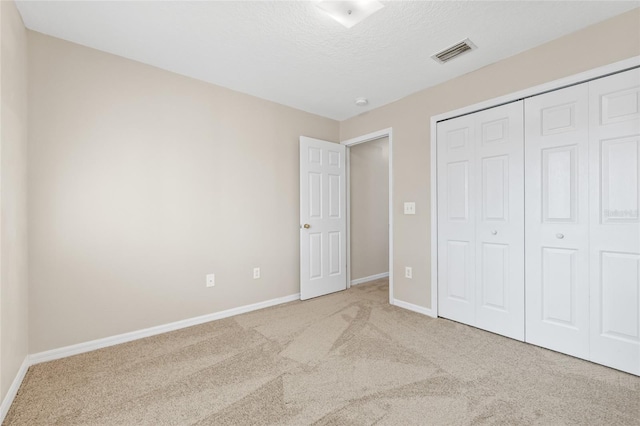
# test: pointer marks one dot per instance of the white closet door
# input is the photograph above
(614, 133)
(500, 220)
(480, 220)
(456, 219)
(557, 226)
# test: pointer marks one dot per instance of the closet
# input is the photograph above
(538, 220)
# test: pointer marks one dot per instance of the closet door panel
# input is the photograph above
(614, 132)
(456, 224)
(559, 274)
(559, 184)
(557, 226)
(500, 220)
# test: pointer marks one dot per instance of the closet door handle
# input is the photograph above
(559, 236)
(494, 232)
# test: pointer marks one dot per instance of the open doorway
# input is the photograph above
(369, 212)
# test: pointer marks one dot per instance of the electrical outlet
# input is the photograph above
(408, 272)
(256, 273)
(211, 280)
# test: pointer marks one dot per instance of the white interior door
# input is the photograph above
(323, 218)
(500, 220)
(614, 138)
(557, 225)
(456, 219)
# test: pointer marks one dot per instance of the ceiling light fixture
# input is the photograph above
(349, 13)
(361, 102)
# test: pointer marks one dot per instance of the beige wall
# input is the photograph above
(141, 182)
(369, 188)
(598, 45)
(13, 196)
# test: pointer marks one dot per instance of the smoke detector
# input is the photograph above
(454, 51)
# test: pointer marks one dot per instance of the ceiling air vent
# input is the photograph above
(454, 51)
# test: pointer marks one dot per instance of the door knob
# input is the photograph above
(307, 226)
(559, 236)
(494, 232)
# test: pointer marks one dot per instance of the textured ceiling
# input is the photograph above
(292, 53)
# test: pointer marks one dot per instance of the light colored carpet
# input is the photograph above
(345, 359)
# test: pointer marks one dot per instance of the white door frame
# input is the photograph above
(582, 77)
(388, 133)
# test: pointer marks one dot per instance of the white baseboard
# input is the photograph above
(369, 278)
(415, 308)
(152, 331)
(13, 389)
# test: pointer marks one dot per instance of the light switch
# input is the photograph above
(410, 207)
